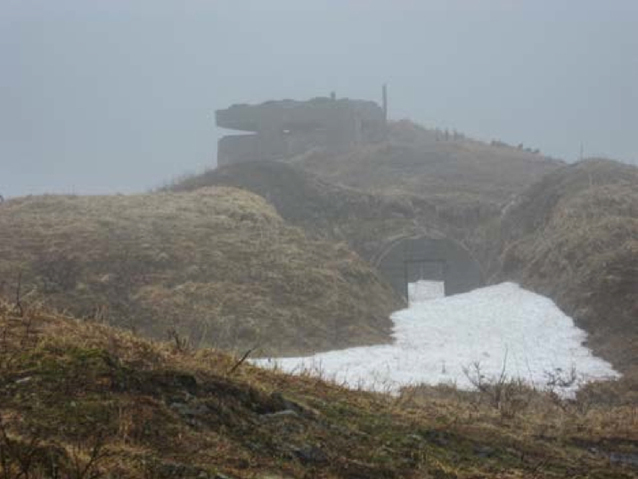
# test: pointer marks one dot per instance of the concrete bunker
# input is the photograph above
(284, 128)
(406, 260)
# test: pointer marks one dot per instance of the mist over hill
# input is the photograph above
(281, 257)
(319, 239)
(558, 229)
(97, 95)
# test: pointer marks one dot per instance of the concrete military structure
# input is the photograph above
(406, 260)
(281, 129)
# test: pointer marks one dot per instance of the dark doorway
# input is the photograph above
(406, 260)
(425, 269)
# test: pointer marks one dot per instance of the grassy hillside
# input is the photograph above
(300, 197)
(216, 267)
(415, 182)
(574, 237)
(82, 400)
(464, 178)
(323, 209)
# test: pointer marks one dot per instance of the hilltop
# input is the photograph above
(466, 179)
(417, 181)
(414, 182)
(80, 399)
(216, 267)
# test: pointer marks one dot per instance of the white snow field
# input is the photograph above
(439, 340)
(424, 290)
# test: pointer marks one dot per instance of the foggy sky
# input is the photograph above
(100, 96)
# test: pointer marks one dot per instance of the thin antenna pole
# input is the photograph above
(384, 94)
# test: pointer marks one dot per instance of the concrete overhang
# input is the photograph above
(295, 115)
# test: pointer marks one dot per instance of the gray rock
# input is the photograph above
(310, 454)
(280, 414)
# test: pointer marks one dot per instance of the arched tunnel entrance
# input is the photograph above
(407, 260)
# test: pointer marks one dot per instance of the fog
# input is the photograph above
(118, 96)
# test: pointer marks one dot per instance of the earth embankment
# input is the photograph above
(573, 236)
(218, 267)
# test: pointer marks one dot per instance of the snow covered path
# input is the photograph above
(502, 326)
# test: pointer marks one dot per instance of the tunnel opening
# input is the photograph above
(424, 280)
(421, 268)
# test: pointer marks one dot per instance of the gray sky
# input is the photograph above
(118, 95)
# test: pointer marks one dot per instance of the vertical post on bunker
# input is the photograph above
(384, 95)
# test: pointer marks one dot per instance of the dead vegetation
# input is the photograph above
(574, 237)
(570, 235)
(324, 210)
(80, 399)
(467, 180)
(415, 183)
(216, 267)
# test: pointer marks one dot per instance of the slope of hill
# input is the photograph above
(415, 183)
(217, 266)
(300, 197)
(574, 237)
(463, 177)
(323, 209)
(81, 400)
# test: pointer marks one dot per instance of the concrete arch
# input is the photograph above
(406, 259)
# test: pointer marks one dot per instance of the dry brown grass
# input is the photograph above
(414, 183)
(324, 210)
(74, 390)
(466, 179)
(217, 266)
(574, 237)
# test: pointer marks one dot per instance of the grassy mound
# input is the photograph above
(323, 209)
(466, 179)
(217, 267)
(415, 183)
(574, 237)
(300, 197)
(81, 400)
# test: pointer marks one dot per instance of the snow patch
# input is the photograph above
(437, 340)
(425, 290)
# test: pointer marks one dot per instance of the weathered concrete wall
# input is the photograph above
(239, 148)
(242, 148)
(409, 259)
(287, 128)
